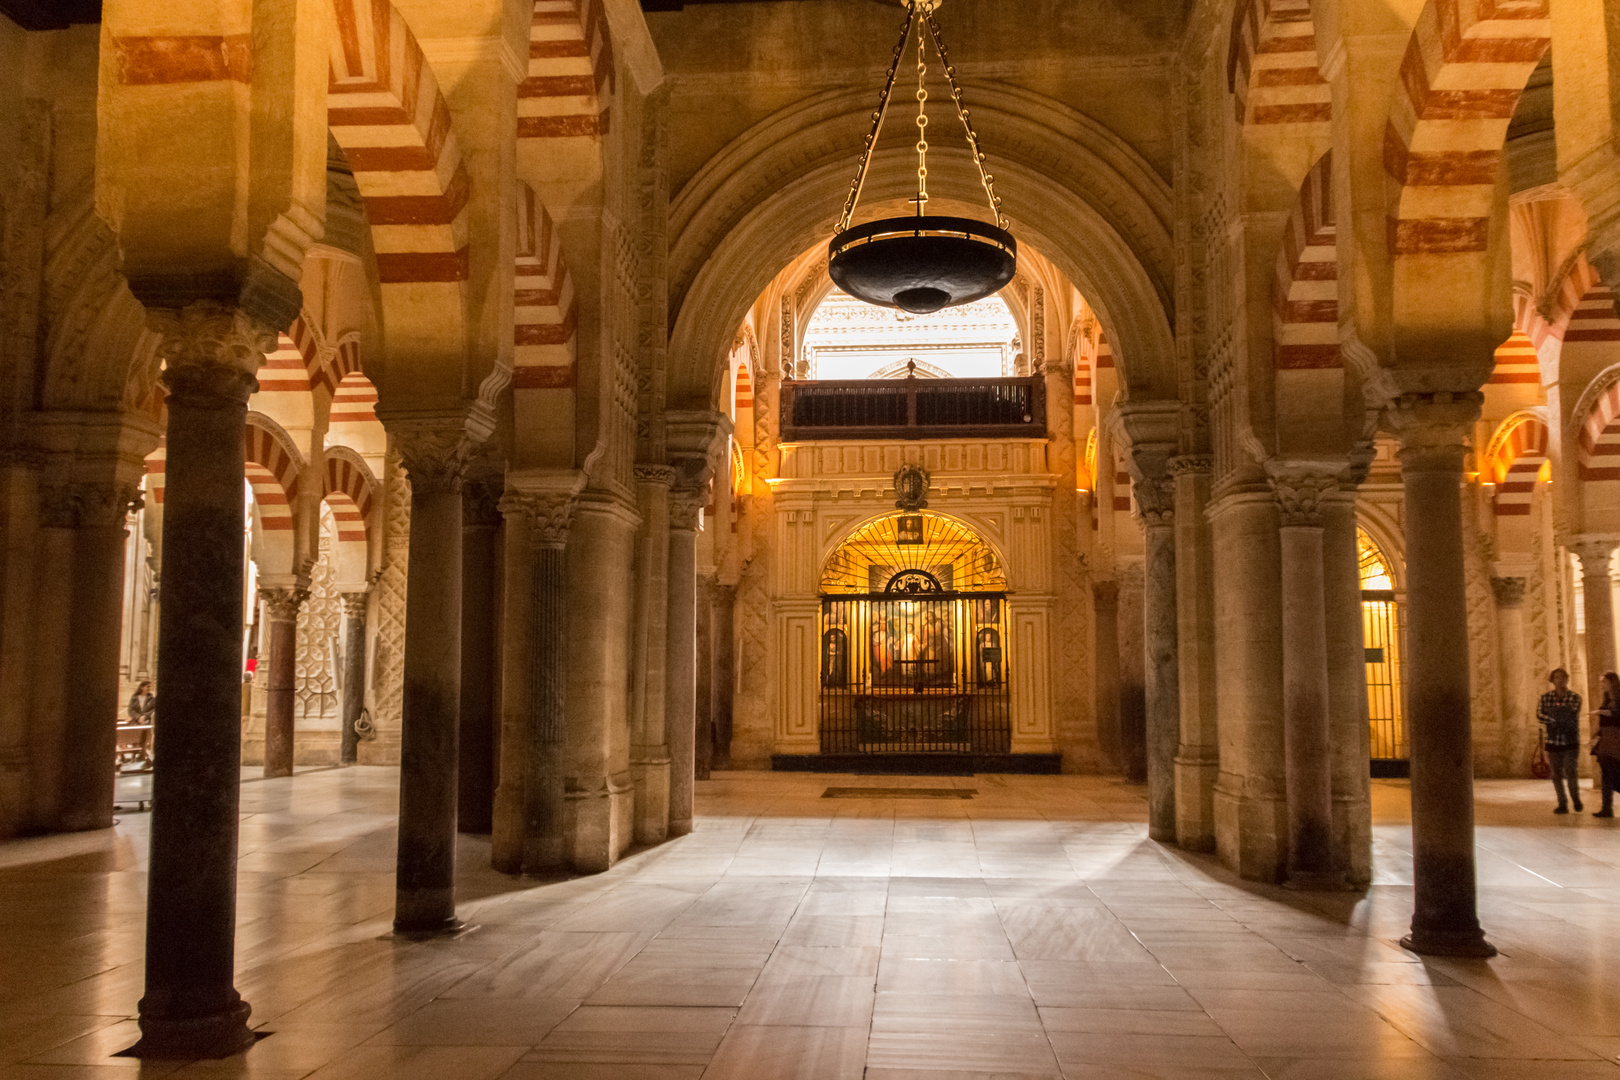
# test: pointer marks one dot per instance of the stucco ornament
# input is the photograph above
(911, 487)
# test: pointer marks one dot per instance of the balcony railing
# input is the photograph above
(914, 409)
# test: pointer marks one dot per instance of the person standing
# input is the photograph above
(1606, 748)
(142, 704)
(1560, 715)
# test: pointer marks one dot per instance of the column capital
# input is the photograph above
(1509, 591)
(283, 601)
(211, 353)
(686, 508)
(1301, 490)
(79, 504)
(1434, 428)
(435, 452)
(355, 604)
(1191, 465)
(1594, 551)
(651, 473)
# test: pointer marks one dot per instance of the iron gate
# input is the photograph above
(914, 674)
(1381, 636)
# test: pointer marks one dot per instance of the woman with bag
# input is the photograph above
(1606, 747)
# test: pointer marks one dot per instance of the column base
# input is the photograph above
(543, 855)
(1164, 834)
(426, 912)
(679, 827)
(1317, 881)
(195, 1038)
(1470, 943)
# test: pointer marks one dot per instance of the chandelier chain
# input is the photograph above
(877, 121)
(922, 116)
(985, 176)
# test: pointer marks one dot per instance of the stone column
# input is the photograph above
(354, 673)
(191, 1008)
(475, 780)
(547, 734)
(1434, 429)
(1198, 755)
(680, 655)
(649, 745)
(1155, 500)
(1105, 660)
(434, 457)
(724, 679)
(1597, 587)
(1307, 740)
(703, 754)
(1509, 594)
(281, 604)
(1347, 683)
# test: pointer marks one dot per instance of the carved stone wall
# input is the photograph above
(388, 671)
(316, 701)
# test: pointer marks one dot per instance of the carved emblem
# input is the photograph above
(911, 487)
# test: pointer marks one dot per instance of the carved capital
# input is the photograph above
(1434, 428)
(1155, 500)
(648, 473)
(87, 504)
(211, 353)
(435, 455)
(1594, 553)
(686, 508)
(1509, 591)
(355, 604)
(1192, 465)
(549, 515)
(282, 603)
(1301, 493)
(480, 504)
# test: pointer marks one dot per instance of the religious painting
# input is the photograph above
(834, 658)
(908, 529)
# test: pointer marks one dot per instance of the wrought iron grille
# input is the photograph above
(914, 409)
(1381, 633)
(922, 672)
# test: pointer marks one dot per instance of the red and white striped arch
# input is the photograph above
(742, 392)
(1600, 437)
(544, 317)
(1516, 362)
(355, 401)
(1271, 65)
(1593, 318)
(273, 465)
(566, 94)
(1460, 80)
(385, 110)
(350, 494)
(1516, 457)
(283, 371)
(1305, 294)
(155, 465)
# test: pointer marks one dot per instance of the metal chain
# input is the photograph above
(877, 120)
(985, 178)
(922, 115)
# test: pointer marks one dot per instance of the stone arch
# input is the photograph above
(544, 315)
(273, 468)
(1465, 67)
(350, 492)
(1599, 438)
(387, 114)
(1305, 294)
(570, 75)
(284, 370)
(1387, 535)
(1515, 457)
(1076, 193)
(1516, 362)
(1271, 65)
(979, 530)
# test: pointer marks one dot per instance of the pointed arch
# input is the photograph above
(570, 72)
(1271, 65)
(1305, 294)
(1514, 459)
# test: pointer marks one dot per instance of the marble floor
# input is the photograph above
(1030, 930)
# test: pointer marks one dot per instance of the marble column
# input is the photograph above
(434, 457)
(1509, 594)
(1347, 683)
(1597, 585)
(1198, 755)
(1105, 661)
(354, 673)
(1434, 430)
(1307, 739)
(281, 604)
(680, 655)
(475, 770)
(547, 730)
(703, 755)
(191, 1008)
(1155, 500)
(724, 679)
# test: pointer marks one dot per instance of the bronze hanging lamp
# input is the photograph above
(919, 263)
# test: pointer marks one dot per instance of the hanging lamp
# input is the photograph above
(919, 263)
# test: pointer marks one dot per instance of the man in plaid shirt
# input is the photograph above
(1560, 715)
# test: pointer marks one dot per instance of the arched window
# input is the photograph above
(1381, 638)
(849, 339)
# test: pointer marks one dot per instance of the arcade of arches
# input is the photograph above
(460, 389)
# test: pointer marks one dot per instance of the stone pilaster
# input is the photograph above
(191, 1008)
(355, 606)
(1301, 490)
(724, 679)
(281, 603)
(434, 454)
(1434, 429)
(1198, 755)
(1156, 504)
(649, 747)
(680, 655)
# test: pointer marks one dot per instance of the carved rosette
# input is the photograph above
(1509, 591)
(211, 353)
(1434, 428)
(1301, 495)
(282, 604)
(435, 456)
(686, 509)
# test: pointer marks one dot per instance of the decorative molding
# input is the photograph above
(1302, 493)
(686, 509)
(281, 603)
(1434, 428)
(211, 352)
(1191, 464)
(434, 454)
(1509, 591)
(911, 484)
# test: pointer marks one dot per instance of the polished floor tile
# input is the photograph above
(1031, 932)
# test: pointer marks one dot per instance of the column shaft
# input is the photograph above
(680, 659)
(1597, 590)
(543, 846)
(475, 783)
(354, 674)
(1307, 746)
(1198, 756)
(1445, 920)
(425, 875)
(1162, 678)
(1105, 666)
(724, 679)
(281, 613)
(517, 644)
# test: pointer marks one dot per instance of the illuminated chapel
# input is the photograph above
(564, 594)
